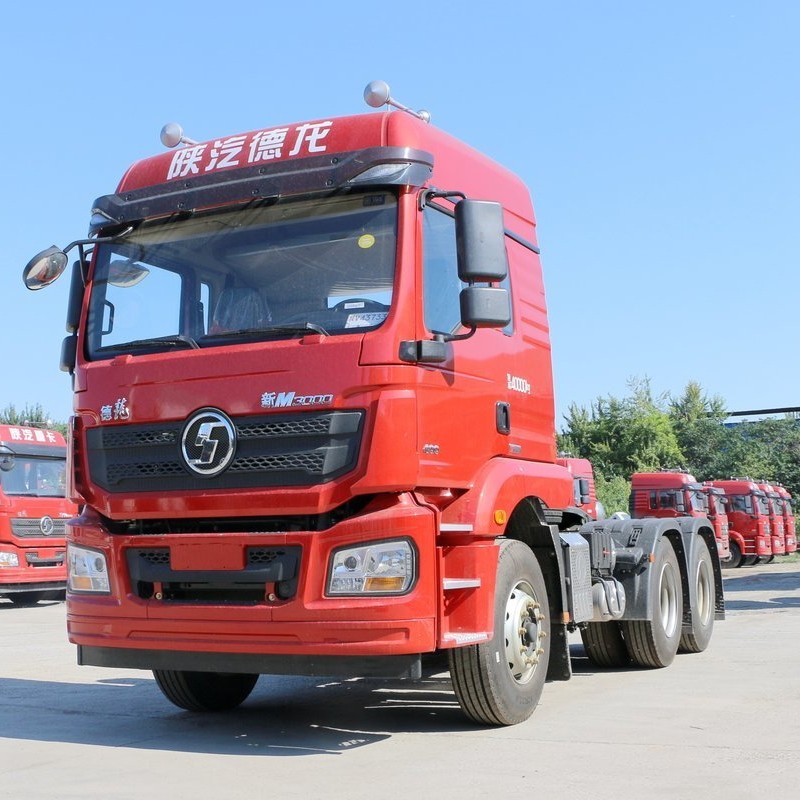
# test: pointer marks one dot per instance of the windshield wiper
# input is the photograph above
(277, 329)
(177, 340)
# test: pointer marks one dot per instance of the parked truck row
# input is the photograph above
(314, 430)
(753, 520)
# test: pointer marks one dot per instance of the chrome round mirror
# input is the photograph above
(171, 134)
(376, 94)
(44, 268)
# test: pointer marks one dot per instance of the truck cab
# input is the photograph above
(748, 518)
(33, 514)
(788, 518)
(676, 493)
(585, 493)
(776, 519)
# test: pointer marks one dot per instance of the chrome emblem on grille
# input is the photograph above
(46, 525)
(208, 443)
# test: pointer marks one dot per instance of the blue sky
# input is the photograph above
(659, 140)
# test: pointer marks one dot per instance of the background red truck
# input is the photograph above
(584, 489)
(788, 518)
(675, 493)
(33, 511)
(748, 520)
(314, 430)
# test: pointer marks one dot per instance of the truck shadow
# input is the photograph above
(773, 586)
(285, 716)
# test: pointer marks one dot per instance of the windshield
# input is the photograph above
(35, 477)
(763, 504)
(273, 270)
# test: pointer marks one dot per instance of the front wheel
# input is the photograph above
(500, 682)
(702, 572)
(735, 559)
(654, 642)
(204, 691)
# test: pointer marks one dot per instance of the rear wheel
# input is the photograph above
(500, 682)
(702, 573)
(604, 644)
(204, 691)
(654, 642)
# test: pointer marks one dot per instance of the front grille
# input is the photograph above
(32, 528)
(300, 449)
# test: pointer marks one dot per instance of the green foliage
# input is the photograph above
(30, 414)
(614, 493)
(623, 436)
(640, 433)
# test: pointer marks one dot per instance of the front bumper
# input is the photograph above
(160, 629)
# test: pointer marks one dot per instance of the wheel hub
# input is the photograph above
(524, 632)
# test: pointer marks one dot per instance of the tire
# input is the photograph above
(736, 556)
(749, 561)
(702, 573)
(204, 691)
(654, 642)
(604, 644)
(500, 682)
(25, 599)
(768, 560)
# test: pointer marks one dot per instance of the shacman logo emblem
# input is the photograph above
(208, 443)
(46, 525)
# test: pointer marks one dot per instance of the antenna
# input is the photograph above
(172, 135)
(377, 94)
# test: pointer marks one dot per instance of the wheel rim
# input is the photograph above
(523, 631)
(704, 592)
(668, 600)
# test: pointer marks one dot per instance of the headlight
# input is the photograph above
(86, 570)
(8, 559)
(378, 568)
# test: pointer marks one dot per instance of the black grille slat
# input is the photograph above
(286, 449)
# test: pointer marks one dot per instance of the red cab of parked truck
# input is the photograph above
(33, 512)
(776, 519)
(788, 518)
(675, 493)
(748, 520)
(583, 485)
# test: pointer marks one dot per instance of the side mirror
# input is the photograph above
(480, 241)
(482, 258)
(7, 456)
(44, 268)
(485, 307)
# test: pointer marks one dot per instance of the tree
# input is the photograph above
(30, 414)
(623, 436)
(697, 421)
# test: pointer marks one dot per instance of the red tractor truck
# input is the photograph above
(278, 343)
(584, 491)
(777, 523)
(33, 514)
(788, 518)
(748, 520)
(675, 493)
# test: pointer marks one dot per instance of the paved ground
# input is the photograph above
(720, 724)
